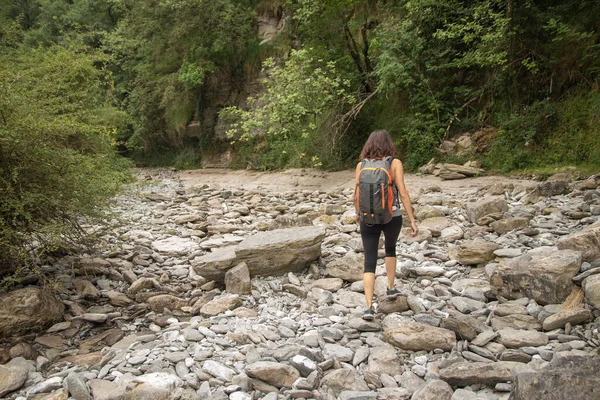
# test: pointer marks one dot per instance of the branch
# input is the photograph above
(455, 116)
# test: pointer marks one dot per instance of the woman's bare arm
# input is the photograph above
(398, 173)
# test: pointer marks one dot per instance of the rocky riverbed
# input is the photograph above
(239, 286)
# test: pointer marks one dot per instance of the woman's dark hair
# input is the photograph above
(379, 145)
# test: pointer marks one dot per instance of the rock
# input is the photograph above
(162, 301)
(587, 241)
(546, 278)
(435, 225)
(574, 316)
(434, 390)
(460, 169)
(118, 299)
(86, 289)
(175, 246)
(11, 378)
(451, 234)
(266, 253)
(473, 252)
(29, 309)
(392, 304)
(218, 370)
(416, 336)
(554, 187)
(470, 373)
(423, 212)
(591, 287)
(384, 360)
(214, 265)
(566, 377)
(281, 251)
(349, 268)
(329, 284)
(220, 305)
(278, 375)
(516, 321)
(153, 386)
(509, 224)
(486, 207)
(237, 280)
(76, 386)
(516, 338)
(340, 380)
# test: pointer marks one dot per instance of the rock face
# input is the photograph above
(566, 377)
(545, 278)
(27, 310)
(266, 253)
(587, 241)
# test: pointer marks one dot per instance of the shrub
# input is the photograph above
(57, 167)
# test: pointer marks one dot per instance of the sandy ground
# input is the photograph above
(318, 180)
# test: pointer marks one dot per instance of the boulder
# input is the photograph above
(11, 379)
(278, 375)
(591, 287)
(435, 389)
(486, 207)
(175, 246)
(473, 252)
(568, 376)
(349, 268)
(214, 265)
(573, 316)
(470, 373)
(508, 224)
(280, 251)
(587, 241)
(384, 360)
(29, 309)
(546, 278)
(237, 280)
(344, 379)
(416, 336)
(435, 224)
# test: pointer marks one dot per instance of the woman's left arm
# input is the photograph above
(398, 173)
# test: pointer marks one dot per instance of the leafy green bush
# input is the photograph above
(297, 109)
(57, 167)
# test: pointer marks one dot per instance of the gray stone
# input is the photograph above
(591, 287)
(434, 390)
(175, 246)
(416, 336)
(546, 278)
(29, 309)
(566, 377)
(486, 207)
(468, 373)
(340, 380)
(11, 379)
(349, 268)
(513, 338)
(237, 280)
(574, 316)
(587, 241)
(76, 386)
(384, 360)
(508, 224)
(473, 252)
(220, 305)
(278, 375)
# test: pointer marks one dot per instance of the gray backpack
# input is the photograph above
(374, 193)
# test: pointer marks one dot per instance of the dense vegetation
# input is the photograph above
(166, 82)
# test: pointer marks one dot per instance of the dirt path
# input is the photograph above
(319, 180)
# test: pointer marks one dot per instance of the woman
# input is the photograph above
(378, 147)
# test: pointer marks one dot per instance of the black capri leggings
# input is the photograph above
(370, 238)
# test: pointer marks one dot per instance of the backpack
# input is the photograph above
(374, 194)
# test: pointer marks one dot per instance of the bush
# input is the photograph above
(57, 167)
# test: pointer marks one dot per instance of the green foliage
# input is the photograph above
(57, 167)
(293, 110)
(167, 59)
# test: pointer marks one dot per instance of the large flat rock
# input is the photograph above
(29, 309)
(587, 241)
(546, 278)
(469, 373)
(268, 253)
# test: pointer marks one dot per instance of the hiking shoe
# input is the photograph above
(393, 292)
(369, 314)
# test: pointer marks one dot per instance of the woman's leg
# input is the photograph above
(370, 239)
(391, 231)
